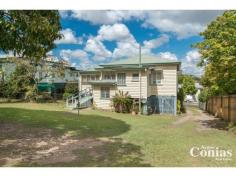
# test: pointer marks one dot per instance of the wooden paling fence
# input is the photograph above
(223, 107)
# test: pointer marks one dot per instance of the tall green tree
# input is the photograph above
(29, 33)
(218, 54)
(187, 84)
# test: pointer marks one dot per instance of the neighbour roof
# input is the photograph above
(145, 60)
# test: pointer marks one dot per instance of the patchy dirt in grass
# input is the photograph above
(25, 146)
(203, 120)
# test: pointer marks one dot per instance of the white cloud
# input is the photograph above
(74, 54)
(117, 32)
(154, 43)
(79, 58)
(189, 63)
(104, 17)
(99, 50)
(168, 55)
(193, 56)
(126, 45)
(183, 24)
(69, 37)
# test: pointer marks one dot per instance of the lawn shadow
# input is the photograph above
(54, 138)
(64, 122)
(216, 123)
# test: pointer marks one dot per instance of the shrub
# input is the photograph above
(43, 98)
(30, 95)
(122, 102)
(71, 88)
(203, 96)
(66, 95)
(180, 97)
(178, 107)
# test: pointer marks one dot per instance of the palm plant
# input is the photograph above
(122, 102)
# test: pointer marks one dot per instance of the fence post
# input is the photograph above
(229, 108)
(221, 107)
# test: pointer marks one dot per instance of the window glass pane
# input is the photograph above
(105, 92)
(135, 77)
(156, 77)
(92, 78)
(84, 78)
(109, 77)
(121, 80)
(88, 77)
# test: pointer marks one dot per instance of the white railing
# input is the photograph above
(72, 101)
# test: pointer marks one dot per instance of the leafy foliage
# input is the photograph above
(122, 102)
(188, 84)
(18, 83)
(180, 96)
(70, 89)
(218, 51)
(202, 97)
(178, 107)
(29, 34)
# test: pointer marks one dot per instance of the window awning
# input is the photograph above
(103, 82)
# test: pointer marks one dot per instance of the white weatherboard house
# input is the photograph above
(157, 86)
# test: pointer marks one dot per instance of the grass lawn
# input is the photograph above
(48, 135)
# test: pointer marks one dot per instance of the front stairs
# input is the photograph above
(85, 99)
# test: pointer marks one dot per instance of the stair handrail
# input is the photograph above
(87, 91)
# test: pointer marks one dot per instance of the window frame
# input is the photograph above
(123, 81)
(105, 96)
(151, 81)
(135, 80)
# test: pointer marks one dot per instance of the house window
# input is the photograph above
(109, 77)
(135, 77)
(84, 78)
(92, 78)
(121, 79)
(105, 92)
(156, 77)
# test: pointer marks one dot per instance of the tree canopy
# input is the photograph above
(29, 34)
(187, 84)
(218, 54)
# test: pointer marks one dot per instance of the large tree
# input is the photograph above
(187, 84)
(29, 34)
(218, 50)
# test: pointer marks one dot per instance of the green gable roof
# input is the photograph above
(145, 60)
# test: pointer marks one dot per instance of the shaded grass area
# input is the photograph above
(107, 138)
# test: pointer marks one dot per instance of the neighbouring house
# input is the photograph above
(48, 81)
(154, 81)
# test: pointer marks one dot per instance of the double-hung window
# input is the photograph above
(105, 92)
(135, 77)
(121, 79)
(156, 77)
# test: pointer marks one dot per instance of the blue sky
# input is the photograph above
(95, 37)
